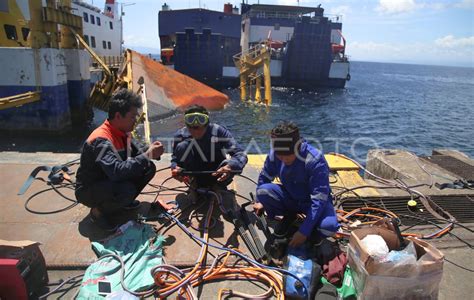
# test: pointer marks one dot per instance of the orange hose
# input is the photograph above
(197, 275)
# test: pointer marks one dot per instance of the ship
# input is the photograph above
(102, 29)
(47, 80)
(308, 49)
(62, 58)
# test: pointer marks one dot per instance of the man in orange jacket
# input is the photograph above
(113, 170)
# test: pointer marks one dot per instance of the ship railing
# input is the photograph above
(315, 17)
(112, 60)
(275, 15)
(341, 58)
(334, 18)
(248, 56)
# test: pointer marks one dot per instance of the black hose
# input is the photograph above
(162, 169)
(459, 266)
(184, 172)
(243, 197)
(248, 178)
(54, 188)
(162, 184)
(56, 289)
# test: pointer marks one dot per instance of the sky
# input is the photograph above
(433, 32)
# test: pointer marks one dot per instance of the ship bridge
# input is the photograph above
(281, 11)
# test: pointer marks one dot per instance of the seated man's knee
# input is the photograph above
(329, 226)
(125, 193)
(266, 192)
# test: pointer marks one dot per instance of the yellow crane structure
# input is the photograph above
(102, 90)
(254, 64)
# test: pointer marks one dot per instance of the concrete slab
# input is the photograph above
(404, 165)
(457, 282)
(455, 154)
(36, 158)
(60, 232)
(452, 165)
(66, 236)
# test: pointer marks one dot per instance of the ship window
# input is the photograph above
(104, 44)
(85, 17)
(24, 32)
(111, 25)
(277, 26)
(98, 21)
(92, 19)
(109, 45)
(86, 38)
(93, 41)
(10, 31)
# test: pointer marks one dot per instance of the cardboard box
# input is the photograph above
(376, 280)
(23, 269)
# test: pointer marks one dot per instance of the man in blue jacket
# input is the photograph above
(113, 170)
(304, 176)
(204, 146)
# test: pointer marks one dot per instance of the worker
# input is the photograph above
(203, 146)
(304, 189)
(113, 170)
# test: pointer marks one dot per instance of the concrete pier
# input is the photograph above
(66, 237)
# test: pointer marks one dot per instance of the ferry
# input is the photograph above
(308, 47)
(51, 83)
(45, 71)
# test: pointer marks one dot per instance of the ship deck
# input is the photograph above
(66, 237)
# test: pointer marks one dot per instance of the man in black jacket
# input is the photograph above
(205, 146)
(113, 171)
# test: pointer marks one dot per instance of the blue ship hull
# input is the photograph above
(203, 44)
(60, 76)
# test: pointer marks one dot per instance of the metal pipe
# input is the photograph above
(258, 85)
(267, 79)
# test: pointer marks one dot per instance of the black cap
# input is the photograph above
(286, 143)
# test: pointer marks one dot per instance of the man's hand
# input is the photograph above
(222, 173)
(155, 150)
(297, 240)
(258, 208)
(176, 174)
